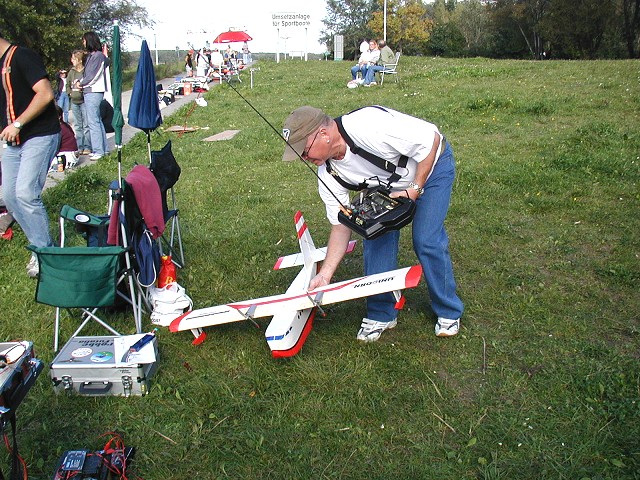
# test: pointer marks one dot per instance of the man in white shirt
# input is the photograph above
(424, 172)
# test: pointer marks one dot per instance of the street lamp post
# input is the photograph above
(155, 45)
(385, 21)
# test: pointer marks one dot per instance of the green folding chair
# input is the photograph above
(79, 277)
(94, 228)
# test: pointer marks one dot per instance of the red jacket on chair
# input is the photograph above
(147, 193)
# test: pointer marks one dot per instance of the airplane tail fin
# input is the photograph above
(307, 247)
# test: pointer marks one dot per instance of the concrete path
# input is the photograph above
(128, 132)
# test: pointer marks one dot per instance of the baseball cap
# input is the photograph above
(301, 123)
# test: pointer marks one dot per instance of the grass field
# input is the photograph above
(543, 381)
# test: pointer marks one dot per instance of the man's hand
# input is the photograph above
(9, 134)
(318, 281)
(336, 248)
(408, 192)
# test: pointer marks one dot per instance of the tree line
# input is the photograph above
(526, 29)
(54, 28)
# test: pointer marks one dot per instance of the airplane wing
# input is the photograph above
(407, 277)
(297, 259)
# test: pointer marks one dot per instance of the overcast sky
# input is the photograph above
(180, 23)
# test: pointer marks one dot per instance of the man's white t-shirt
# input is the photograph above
(387, 133)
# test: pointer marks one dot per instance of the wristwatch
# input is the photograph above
(17, 124)
(417, 188)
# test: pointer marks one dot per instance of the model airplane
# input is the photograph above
(293, 312)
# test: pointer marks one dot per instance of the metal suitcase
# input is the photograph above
(90, 366)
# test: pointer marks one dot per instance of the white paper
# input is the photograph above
(121, 346)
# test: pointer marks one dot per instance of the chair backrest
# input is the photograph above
(389, 68)
(78, 276)
(146, 252)
(92, 227)
(166, 170)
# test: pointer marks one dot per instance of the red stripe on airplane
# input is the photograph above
(303, 337)
(174, 326)
(239, 306)
(302, 229)
(413, 276)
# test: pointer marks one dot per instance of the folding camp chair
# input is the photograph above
(390, 69)
(167, 172)
(141, 227)
(86, 277)
(108, 230)
(79, 277)
(141, 224)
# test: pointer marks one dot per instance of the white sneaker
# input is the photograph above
(446, 327)
(33, 267)
(6, 219)
(72, 159)
(95, 156)
(370, 330)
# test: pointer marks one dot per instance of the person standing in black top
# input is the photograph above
(29, 125)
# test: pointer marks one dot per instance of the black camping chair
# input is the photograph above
(167, 172)
(135, 232)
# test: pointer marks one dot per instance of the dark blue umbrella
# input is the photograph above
(144, 108)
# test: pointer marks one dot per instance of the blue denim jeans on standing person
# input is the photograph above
(371, 73)
(81, 126)
(431, 244)
(96, 127)
(63, 103)
(24, 171)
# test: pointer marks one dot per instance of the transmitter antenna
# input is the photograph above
(344, 209)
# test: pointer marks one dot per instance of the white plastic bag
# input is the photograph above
(168, 303)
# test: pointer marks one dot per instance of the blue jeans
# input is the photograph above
(96, 127)
(357, 68)
(63, 103)
(24, 171)
(371, 73)
(81, 126)
(431, 244)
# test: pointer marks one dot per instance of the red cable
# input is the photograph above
(10, 450)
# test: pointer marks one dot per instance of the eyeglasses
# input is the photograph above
(305, 153)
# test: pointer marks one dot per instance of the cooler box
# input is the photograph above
(100, 366)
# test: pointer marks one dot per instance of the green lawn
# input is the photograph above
(543, 380)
